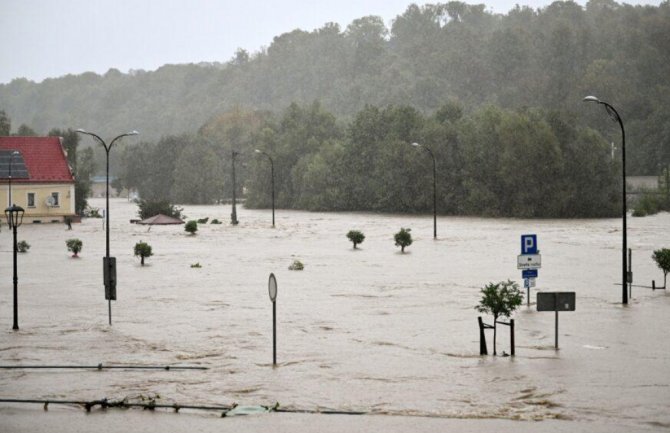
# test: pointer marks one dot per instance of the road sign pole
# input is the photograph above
(274, 333)
(556, 332)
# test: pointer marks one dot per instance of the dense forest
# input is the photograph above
(497, 98)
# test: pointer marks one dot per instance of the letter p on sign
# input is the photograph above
(528, 244)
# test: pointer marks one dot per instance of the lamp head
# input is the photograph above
(591, 99)
(257, 151)
(416, 144)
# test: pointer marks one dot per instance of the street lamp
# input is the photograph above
(434, 187)
(272, 170)
(108, 263)
(615, 116)
(14, 216)
(11, 161)
(233, 214)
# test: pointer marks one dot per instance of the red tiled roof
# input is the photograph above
(44, 157)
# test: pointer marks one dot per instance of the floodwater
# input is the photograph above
(368, 329)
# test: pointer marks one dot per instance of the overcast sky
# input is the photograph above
(50, 38)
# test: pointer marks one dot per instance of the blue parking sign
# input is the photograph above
(528, 244)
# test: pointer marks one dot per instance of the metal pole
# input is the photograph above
(272, 170)
(434, 197)
(233, 215)
(274, 333)
(615, 116)
(16, 286)
(624, 211)
(109, 301)
(511, 330)
(556, 331)
(630, 273)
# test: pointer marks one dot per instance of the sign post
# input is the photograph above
(556, 301)
(272, 291)
(529, 261)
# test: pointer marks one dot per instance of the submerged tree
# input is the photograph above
(403, 239)
(662, 259)
(74, 246)
(142, 250)
(501, 300)
(191, 227)
(356, 237)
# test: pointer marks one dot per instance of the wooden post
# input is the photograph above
(482, 338)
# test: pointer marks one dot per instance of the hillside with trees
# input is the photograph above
(498, 99)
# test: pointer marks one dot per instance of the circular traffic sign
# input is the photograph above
(272, 287)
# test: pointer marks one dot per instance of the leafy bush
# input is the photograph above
(203, 220)
(356, 237)
(191, 227)
(142, 250)
(92, 212)
(149, 208)
(215, 221)
(196, 265)
(403, 239)
(499, 299)
(296, 266)
(75, 246)
(649, 204)
(22, 246)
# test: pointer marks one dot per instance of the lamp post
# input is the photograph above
(615, 116)
(14, 216)
(430, 152)
(11, 161)
(233, 214)
(272, 170)
(109, 263)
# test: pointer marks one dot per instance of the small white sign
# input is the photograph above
(529, 261)
(528, 283)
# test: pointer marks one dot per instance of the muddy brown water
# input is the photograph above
(368, 329)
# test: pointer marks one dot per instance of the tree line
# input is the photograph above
(546, 59)
(492, 162)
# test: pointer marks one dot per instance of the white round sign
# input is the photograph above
(272, 287)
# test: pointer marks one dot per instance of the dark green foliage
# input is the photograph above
(74, 246)
(142, 250)
(648, 204)
(356, 237)
(5, 124)
(500, 300)
(203, 220)
(191, 227)
(296, 266)
(82, 164)
(215, 221)
(547, 58)
(662, 259)
(149, 208)
(403, 239)
(22, 246)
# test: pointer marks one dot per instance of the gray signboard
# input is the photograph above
(556, 301)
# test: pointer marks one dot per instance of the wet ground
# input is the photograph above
(369, 330)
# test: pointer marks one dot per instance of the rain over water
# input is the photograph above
(369, 329)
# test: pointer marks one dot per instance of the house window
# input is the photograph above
(31, 199)
(54, 196)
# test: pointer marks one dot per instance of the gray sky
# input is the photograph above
(50, 38)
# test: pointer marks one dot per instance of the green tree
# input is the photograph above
(22, 246)
(142, 250)
(82, 164)
(356, 237)
(74, 246)
(5, 124)
(403, 239)
(662, 259)
(500, 300)
(191, 227)
(25, 131)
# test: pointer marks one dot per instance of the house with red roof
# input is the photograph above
(35, 174)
